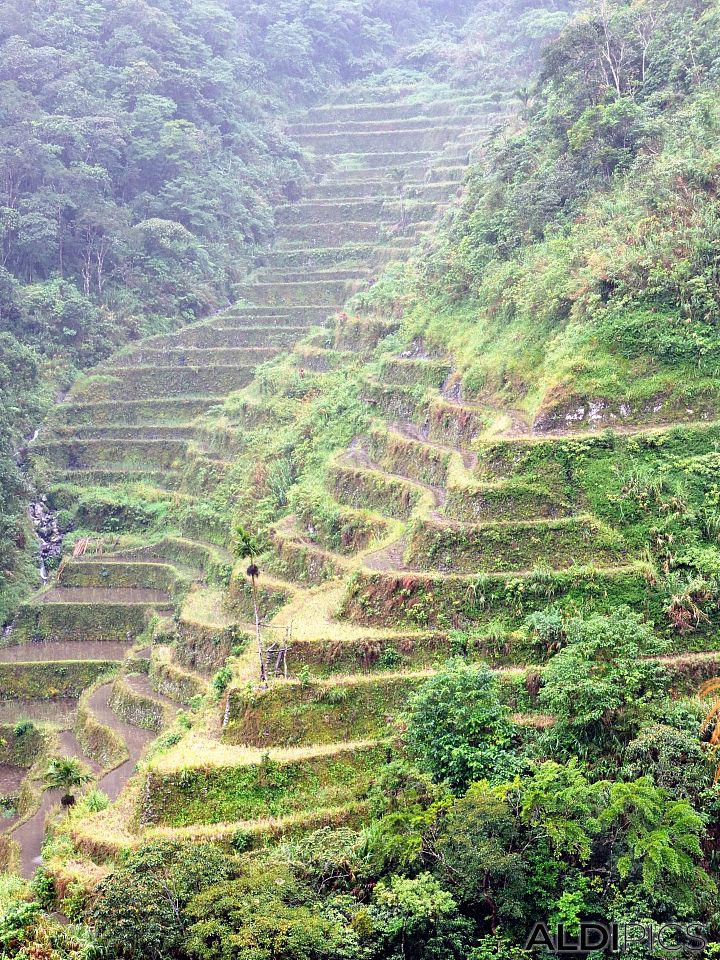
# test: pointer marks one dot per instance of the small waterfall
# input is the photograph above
(48, 533)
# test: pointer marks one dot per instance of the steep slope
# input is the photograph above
(129, 460)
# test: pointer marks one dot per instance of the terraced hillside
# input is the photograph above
(130, 461)
(451, 522)
(436, 531)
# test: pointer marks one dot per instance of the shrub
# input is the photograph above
(458, 730)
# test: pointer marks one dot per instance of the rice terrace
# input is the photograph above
(359, 497)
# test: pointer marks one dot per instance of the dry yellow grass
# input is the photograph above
(196, 750)
(206, 606)
(266, 825)
(312, 614)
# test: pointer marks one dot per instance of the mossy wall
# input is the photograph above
(107, 510)
(21, 746)
(140, 383)
(317, 234)
(453, 425)
(374, 490)
(247, 336)
(202, 648)
(508, 500)
(240, 598)
(518, 545)
(381, 141)
(342, 530)
(371, 654)
(136, 708)
(301, 562)
(297, 294)
(93, 454)
(393, 400)
(216, 794)
(294, 714)
(362, 334)
(134, 411)
(111, 573)
(174, 682)
(98, 741)
(397, 454)
(447, 602)
(46, 681)
(79, 621)
(409, 372)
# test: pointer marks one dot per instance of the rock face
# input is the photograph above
(48, 533)
(579, 412)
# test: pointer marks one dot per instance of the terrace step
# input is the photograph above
(31, 834)
(267, 275)
(194, 357)
(135, 574)
(147, 382)
(382, 160)
(253, 314)
(381, 209)
(399, 110)
(160, 479)
(377, 140)
(392, 598)
(131, 412)
(230, 332)
(359, 125)
(124, 596)
(388, 189)
(121, 431)
(112, 616)
(351, 255)
(76, 454)
(265, 828)
(414, 172)
(135, 739)
(323, 293)
(338, 234)
(49, 652)
(513, 545)
(415, 434)
(135, 701)
(319, 776)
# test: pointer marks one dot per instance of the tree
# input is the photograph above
(673, 759)
(409, 912)
(601, 685)
(139, 910)
(458, 730)
(66, 773)
(479, 855)
(246, 548)
(264, 912)
(633, 834)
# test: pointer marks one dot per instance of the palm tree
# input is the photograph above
(66, 773)
(246, 548)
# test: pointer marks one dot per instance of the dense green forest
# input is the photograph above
(142, 154)
(532, 747)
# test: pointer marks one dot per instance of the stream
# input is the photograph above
(48, 533)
